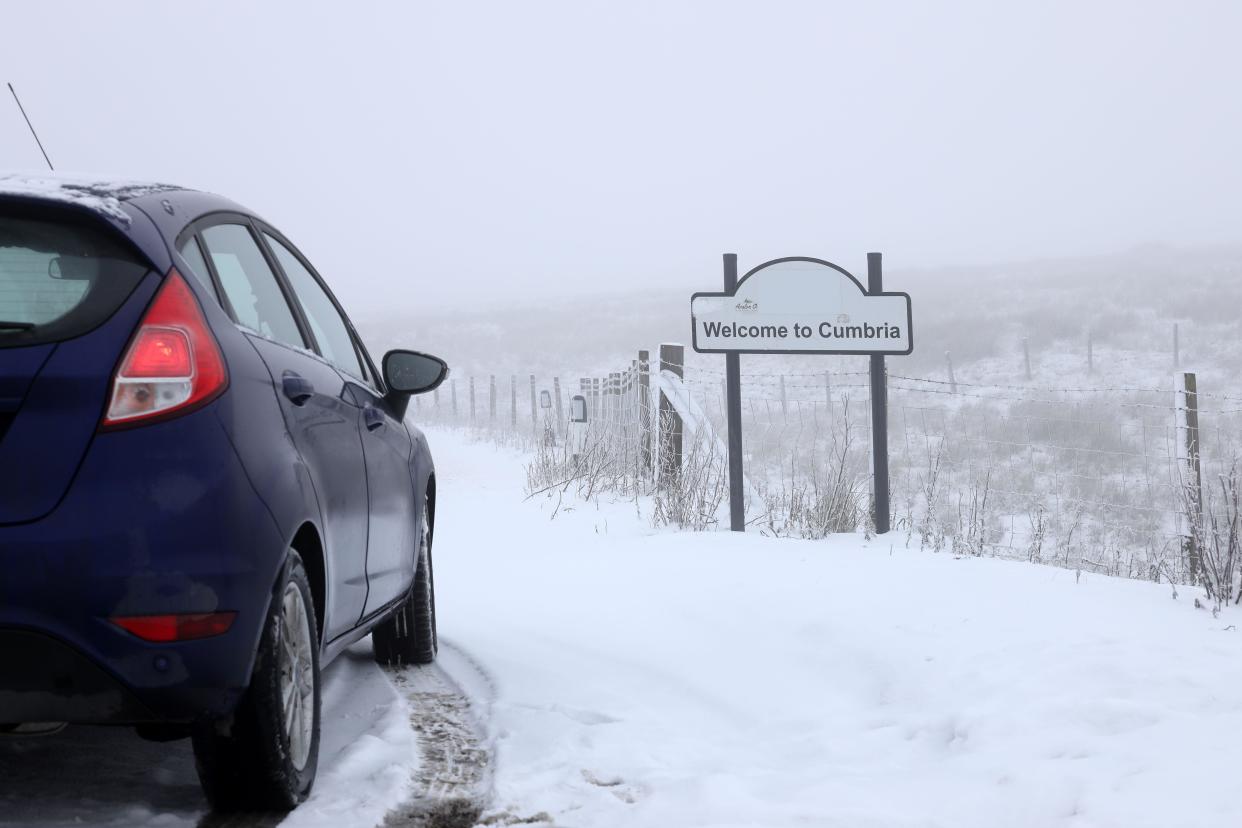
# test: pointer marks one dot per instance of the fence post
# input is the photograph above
(948, 361)
(534, 409)
(491, 399)
(673, 360)
(644, 408)
(614, 398)
(513, 401)
(784, 401)
(1026, 357)
(556, 392)
(1177, 356)
(1191, 489)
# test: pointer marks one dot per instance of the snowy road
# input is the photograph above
(399, 744)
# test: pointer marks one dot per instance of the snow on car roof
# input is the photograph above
(100, 194)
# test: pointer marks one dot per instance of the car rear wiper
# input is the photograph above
(16, 326)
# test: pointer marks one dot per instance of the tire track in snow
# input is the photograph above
(453, 784)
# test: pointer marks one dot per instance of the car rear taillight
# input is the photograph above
(163, 629)
(172, 365)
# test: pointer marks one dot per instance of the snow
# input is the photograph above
(102, 195)
(662, 679)
(368, 751)
(108, 777)
(639, 678)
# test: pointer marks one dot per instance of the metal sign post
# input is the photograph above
(801, 305)
(879, 410)
(733, 407)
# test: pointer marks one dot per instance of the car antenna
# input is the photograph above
(32, 129)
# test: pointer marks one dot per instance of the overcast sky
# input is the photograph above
(459, 152)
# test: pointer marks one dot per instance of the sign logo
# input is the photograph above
(747, 306)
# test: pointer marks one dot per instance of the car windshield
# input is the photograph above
(58, 278)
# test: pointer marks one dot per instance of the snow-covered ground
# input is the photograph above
(663, 679)
(109, 778)
(669, 679)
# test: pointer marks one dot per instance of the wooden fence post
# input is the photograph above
(1191, 474)
(534, 409)
(948, 361)
(556, 393)
(784, 401)
(644, 408)
(614, 405)
(673, 360)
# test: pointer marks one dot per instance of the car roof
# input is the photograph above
(94, 193)
(135, 208)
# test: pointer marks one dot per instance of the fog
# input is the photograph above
(444, 156)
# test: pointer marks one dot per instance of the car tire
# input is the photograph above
(409, 635)
(264, 757)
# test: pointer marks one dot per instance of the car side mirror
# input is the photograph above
(409, 372)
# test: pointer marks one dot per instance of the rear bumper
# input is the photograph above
(45, 680)
(160, 519)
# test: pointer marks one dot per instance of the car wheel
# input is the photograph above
(264, 757)
(409, 636)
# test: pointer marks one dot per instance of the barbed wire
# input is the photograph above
(1097, 462)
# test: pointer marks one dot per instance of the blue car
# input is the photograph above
(208, 490)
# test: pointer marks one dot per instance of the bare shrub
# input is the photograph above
(809, 503)
(1213, 535)
(691, 497)
(598, 468)
(1038, 517)
(930, 527)
(972, 518)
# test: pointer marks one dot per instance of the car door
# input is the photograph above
(392, 524)
(319, 413)
(393, 539)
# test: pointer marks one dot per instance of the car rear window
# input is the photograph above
(59, 278)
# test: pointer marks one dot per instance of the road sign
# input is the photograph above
(801, 305)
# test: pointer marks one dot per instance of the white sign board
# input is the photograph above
(801, 306)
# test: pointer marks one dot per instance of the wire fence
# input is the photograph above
(1090, 478)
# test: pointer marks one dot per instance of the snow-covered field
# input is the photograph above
(712, 679)
(639, 679)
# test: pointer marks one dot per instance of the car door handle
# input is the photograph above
(372, 417)
(297, 388)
